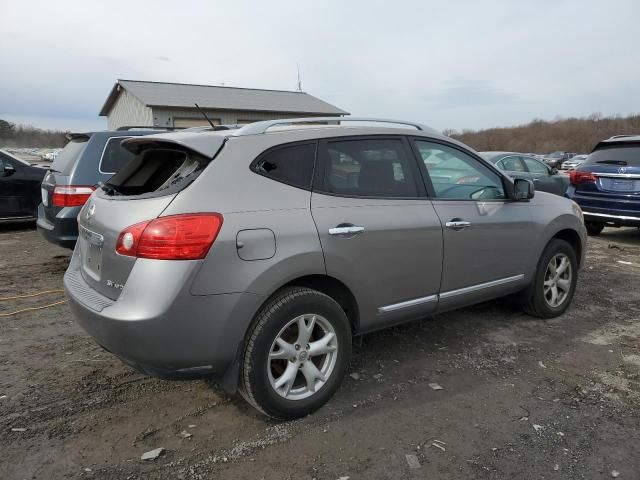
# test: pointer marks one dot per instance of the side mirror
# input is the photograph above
(523, 189)
(9, 170)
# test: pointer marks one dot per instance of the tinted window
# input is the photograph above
(115, 156)
(368, 168)
(65, 161)
(536, 167)
(458, 176)
(619, 155)
(292, 164)
(511, 164)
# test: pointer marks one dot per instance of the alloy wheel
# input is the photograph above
(302, 357)
(557, 280)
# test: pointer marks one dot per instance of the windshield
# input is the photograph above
(619, 155)
(555, 155)
(67, 157)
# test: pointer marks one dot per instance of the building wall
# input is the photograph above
(163, 117)
(128, 110)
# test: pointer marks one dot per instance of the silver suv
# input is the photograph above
(254, 255)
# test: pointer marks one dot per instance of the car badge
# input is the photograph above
(622, 170)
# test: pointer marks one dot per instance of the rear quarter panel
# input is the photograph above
(250, 201)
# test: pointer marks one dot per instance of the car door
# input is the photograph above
(10, 187)
(487, 237)
(379, 233)
(543, 177)
(514, 167)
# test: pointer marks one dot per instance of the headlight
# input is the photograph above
(577, 211)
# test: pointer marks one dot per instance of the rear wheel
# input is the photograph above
(594, 228)
(297, 353)
(555, 281)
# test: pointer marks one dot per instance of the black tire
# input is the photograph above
(594, 228)
(534, 302)
(284, 306)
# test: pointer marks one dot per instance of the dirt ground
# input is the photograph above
(521, 397)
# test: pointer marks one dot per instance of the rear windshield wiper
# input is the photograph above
(612, 162)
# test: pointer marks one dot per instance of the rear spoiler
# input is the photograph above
(78, 136)
(207, 144)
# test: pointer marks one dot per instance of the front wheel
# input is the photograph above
(297, 353)
(594, 228)
(555, 281)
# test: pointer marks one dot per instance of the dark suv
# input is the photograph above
(88, 160)
(607, 184)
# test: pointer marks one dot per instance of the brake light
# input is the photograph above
(71, 196)
(176, 237)
(577, 176)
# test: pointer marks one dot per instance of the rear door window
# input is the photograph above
(381, 168)
(511, 164)
(114, 156)
(290, 164)
(67, 157)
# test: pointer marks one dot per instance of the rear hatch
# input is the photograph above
(140, 192)
(610, 177)
(60, 173)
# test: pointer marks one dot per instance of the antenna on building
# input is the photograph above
(205, 116)
(299, 80)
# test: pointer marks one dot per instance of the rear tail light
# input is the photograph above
(577, 176)
(176, 237)
(71, 196)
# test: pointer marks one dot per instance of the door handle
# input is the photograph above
(457, 224)
(351, 230)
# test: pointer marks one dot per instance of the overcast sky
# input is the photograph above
(458, 64)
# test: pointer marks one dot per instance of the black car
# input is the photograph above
(87, 160)
(519, 165)
(19, 188)
(607, 184)
(555, 159)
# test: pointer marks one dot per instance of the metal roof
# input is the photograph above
(158, 94)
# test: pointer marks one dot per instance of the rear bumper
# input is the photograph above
(63, 230)
(158, 327)
(615, 218)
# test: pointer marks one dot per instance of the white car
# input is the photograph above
(574, 162)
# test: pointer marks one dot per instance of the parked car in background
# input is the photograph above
(573, 162)
(607, 184)
(254, 255)
(518, 165)
(19, 188)
(555, 159)
(86, 161)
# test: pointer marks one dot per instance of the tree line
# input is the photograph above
(12, 135)
(578, 135)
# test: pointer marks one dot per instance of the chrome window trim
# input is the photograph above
(481, 286)
(408, 303)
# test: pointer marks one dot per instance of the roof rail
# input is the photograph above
(623, 136)
(261, 127)
(146, 127)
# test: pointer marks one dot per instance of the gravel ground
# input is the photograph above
(521, 397)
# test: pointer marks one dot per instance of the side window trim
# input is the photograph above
(104, 149)
(427, 179)
(254, 163)
(322, 160)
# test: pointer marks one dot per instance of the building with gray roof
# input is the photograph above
(141, 103)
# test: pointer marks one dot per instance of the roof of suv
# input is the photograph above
(208, 141)
(617, 140)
